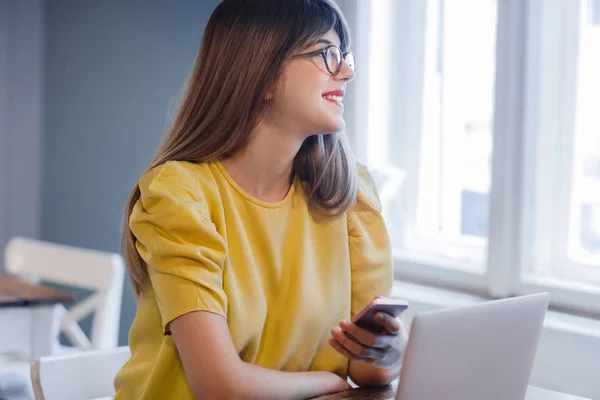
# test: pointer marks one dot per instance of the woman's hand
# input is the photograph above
(381, 350)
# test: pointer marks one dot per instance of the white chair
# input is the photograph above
(35, 260)
(80, 376)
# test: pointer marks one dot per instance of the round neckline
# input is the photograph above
(252, 199)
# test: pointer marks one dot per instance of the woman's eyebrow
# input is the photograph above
(319, 41)
(325, 41)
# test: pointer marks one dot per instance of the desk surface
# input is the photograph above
(15, 292)
(389, 393)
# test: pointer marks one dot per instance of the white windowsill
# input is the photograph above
(432, 297)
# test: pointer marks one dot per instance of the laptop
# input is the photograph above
(480, 352)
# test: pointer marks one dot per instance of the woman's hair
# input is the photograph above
(243, 51)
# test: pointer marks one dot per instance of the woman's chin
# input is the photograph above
(335, 125)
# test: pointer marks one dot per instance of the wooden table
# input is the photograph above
(389, 393)
(29, 316)
(18, 293)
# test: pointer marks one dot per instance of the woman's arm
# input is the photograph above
(215, 371)
(372, 275)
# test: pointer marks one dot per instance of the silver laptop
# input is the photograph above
(480, 352)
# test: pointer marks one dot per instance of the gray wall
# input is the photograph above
(113, 70)
(21, 111)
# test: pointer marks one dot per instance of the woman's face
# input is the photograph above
(309, 97)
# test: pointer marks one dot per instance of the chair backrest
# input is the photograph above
(83, 375)
(102, 272)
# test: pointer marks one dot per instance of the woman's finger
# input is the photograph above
(337, 346)
(356, 348)
(391, 324)
(352, 346)
(361, 335)
(364, 337)
(340, 349)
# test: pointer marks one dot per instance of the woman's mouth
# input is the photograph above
(334, 99)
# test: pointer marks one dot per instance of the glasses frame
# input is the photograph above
(323, 53)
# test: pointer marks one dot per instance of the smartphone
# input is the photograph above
(366, 317)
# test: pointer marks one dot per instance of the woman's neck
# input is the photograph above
(264, 167)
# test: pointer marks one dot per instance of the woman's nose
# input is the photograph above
(346, 73)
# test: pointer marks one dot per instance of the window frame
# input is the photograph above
(510, 236)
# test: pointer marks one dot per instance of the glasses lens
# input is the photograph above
(334, 58)
(351, 61)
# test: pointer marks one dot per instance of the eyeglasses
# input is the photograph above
(333, 56)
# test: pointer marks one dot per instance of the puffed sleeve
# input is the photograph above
(176, 238)
(370, 250)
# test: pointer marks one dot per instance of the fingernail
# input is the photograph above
(379, 316)
(344, 324)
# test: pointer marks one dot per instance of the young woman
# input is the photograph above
(253, 238)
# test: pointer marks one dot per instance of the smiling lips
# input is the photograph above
(335, 96)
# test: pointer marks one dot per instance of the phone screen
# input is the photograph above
(368, 322)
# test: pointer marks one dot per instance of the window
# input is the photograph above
(453, 172)
(584, 210)
(563, 187)
(483, 131)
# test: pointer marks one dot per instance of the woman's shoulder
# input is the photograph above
(182, 179)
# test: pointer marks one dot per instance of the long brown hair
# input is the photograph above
(245, 45)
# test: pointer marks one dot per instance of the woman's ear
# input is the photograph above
(275, 88)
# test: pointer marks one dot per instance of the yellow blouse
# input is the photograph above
(281, 275)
